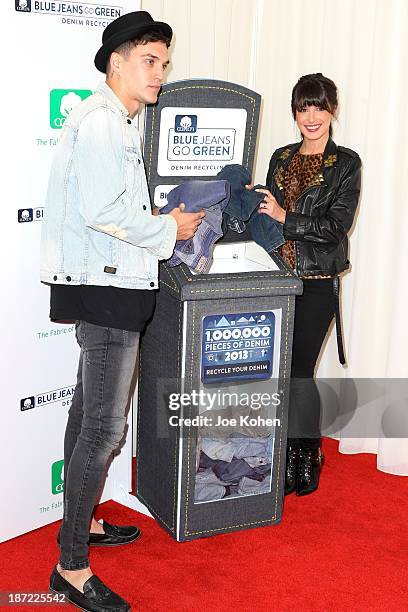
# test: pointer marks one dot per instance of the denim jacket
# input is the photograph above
(98, 227)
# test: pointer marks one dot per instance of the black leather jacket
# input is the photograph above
(324, 211)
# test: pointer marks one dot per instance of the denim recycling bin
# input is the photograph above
(213, 394)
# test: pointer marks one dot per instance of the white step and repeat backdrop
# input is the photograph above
(48, 50)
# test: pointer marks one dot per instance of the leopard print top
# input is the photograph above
(299, 174)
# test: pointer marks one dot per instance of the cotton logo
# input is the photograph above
(25, 215)
(27, 403)
(68, 102)
(23, 5)
(185, 123)
(62, 102)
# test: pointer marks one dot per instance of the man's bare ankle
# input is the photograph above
(75, 577)
(96, 527)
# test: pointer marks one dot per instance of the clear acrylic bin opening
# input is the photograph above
(240, 257)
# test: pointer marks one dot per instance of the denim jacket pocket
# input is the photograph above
(132, 160)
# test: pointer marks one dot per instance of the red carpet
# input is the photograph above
(343, 548)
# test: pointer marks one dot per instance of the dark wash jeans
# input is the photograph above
(95, 428)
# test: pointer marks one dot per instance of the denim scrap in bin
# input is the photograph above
(240, 447)
(231, 471)
(237, 468)
(242, 207)
(217, 448)
(213, 197)
(249, 486)
(208, 487)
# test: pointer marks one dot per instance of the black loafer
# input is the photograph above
(97, 597)
(114, 535)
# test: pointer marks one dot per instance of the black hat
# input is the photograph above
(127, 27)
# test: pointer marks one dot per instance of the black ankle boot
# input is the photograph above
(292, 453)
(308, 470)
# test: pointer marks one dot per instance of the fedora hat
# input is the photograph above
(127, 27)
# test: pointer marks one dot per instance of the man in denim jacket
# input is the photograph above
(99, 253)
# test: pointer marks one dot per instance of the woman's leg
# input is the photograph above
(313, 314)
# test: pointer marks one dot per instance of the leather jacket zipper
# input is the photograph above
(296, 209)
(306, 191)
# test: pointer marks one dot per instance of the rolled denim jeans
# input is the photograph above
(241, 209)
(95, 428)
(212, 196)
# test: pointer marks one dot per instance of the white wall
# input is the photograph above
(42, 52)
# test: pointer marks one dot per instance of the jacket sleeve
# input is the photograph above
(331, 227)
(272, 165)
(106, 205)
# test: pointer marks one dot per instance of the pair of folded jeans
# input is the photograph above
(242, 209)
(213, 197)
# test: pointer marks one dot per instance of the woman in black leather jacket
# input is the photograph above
(313, 189)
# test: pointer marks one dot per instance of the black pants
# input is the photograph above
(95, 428)
(313, 314)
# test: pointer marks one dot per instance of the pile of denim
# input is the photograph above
(237, 465)
(227, 204)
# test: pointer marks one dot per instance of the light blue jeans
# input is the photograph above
(95, 428)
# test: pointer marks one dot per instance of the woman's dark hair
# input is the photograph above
(314, 90)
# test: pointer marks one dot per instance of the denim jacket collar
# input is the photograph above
(105, 90)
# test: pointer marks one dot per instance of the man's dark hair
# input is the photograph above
(152, 36)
